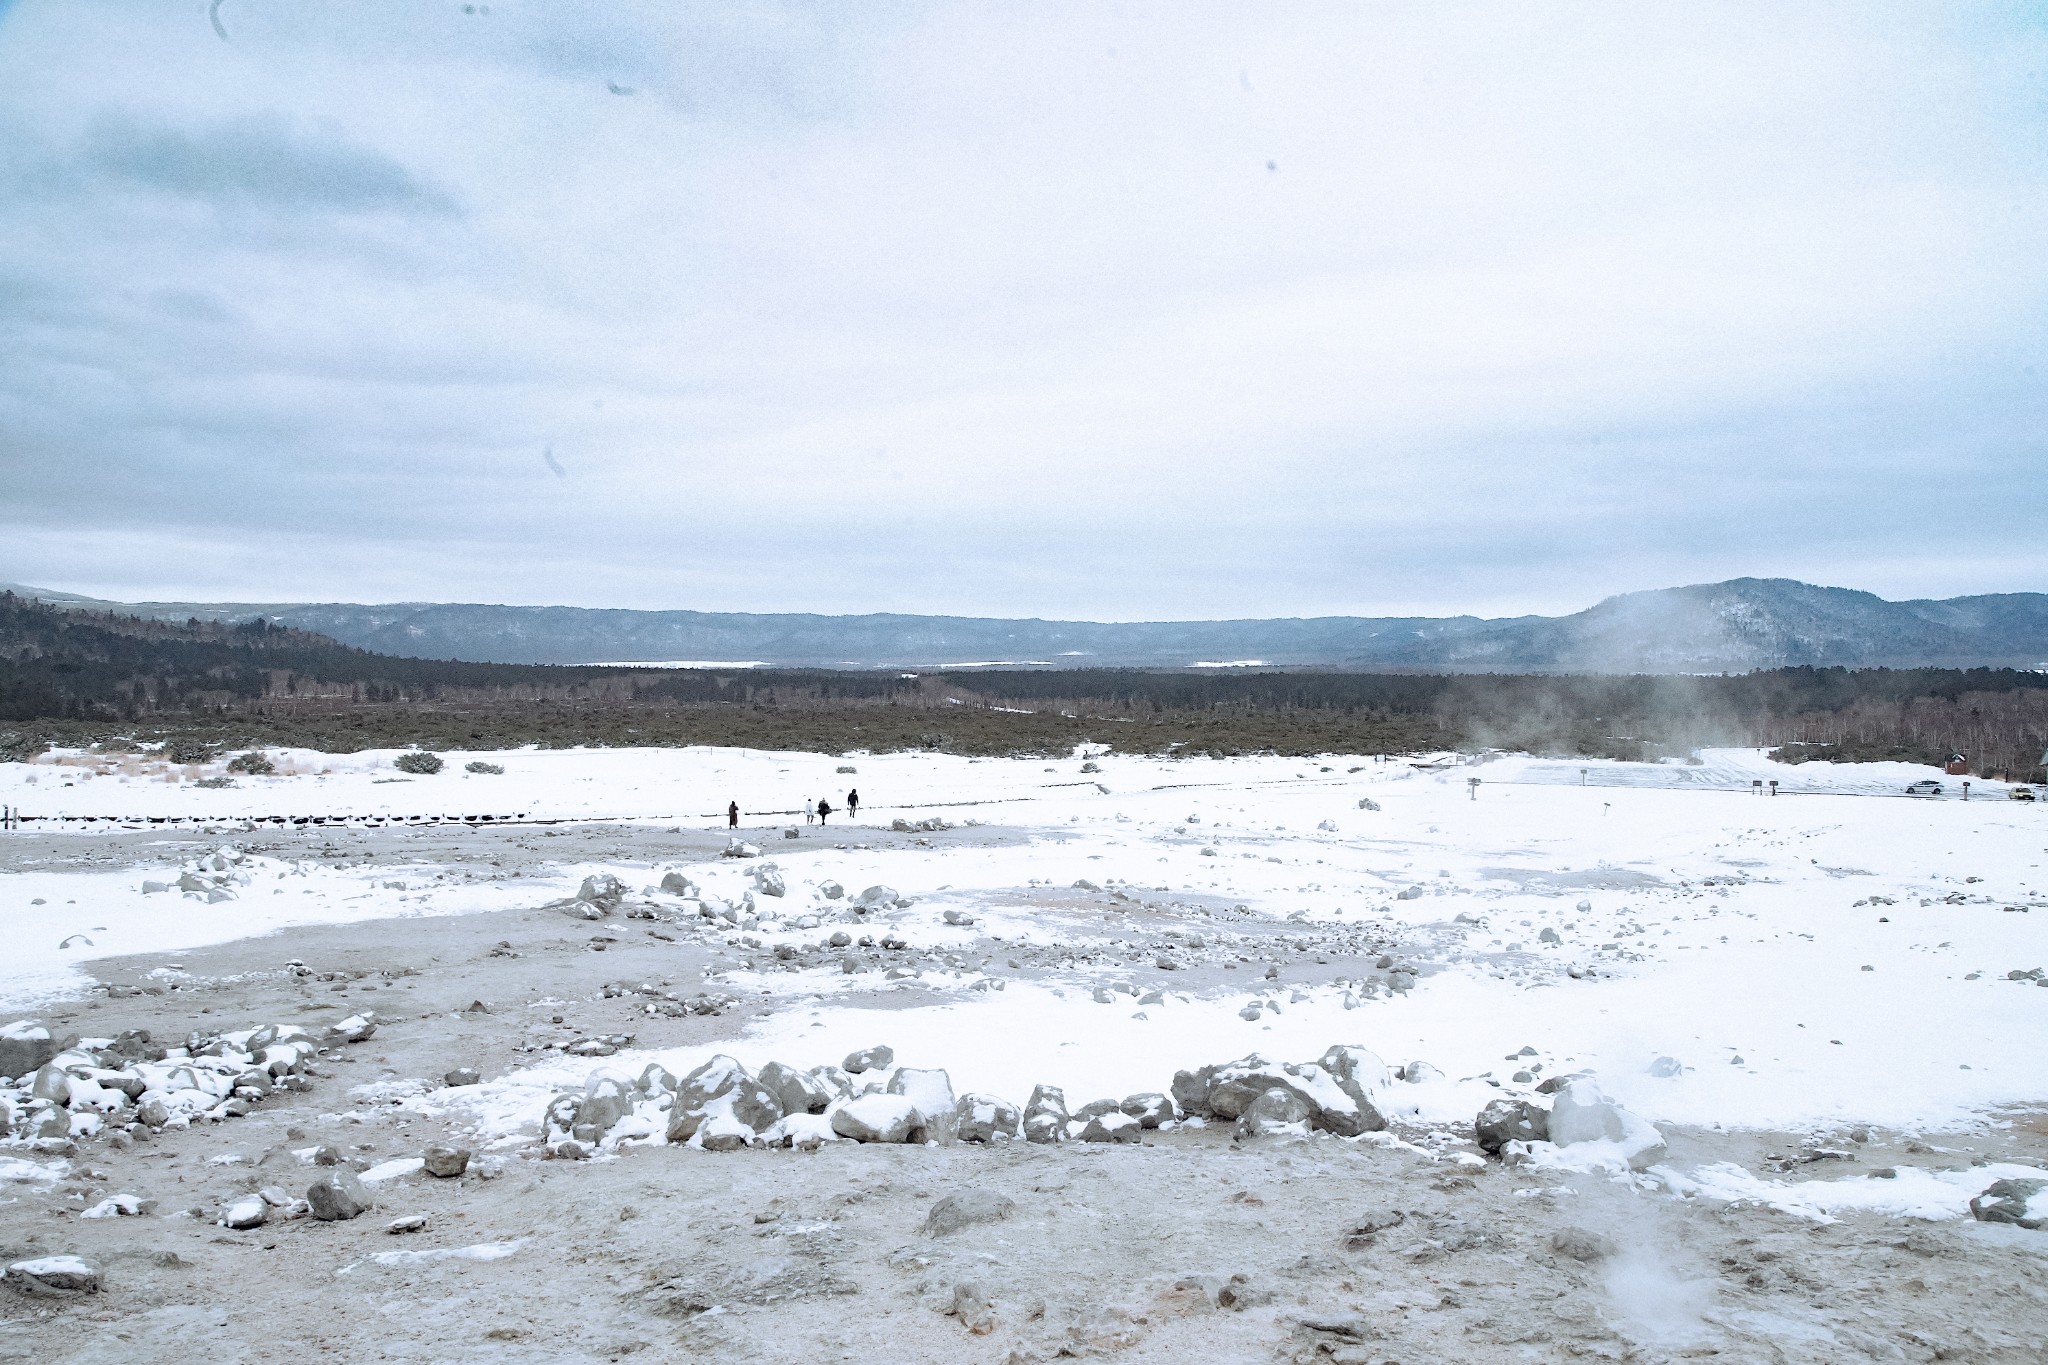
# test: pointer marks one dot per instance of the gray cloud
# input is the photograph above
(933, 307)
(259, 160)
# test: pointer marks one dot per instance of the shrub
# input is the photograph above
(16, 747)
(186, 749)
(255, 763)
(847, 768)
(214, 783)
(420, 762)
(479, 766)
(1097, 767)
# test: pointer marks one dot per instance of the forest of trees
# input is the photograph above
(70, 676)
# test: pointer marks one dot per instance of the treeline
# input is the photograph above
(61, 664)
(1998, 718)
(69, 677)
(2001, 734)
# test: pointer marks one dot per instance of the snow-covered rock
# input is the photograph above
(931, 1090)
(981, 1118)
(25, 1045)
(879, 1118)
(1510, 1120)
(1276, 1112)
(1582, 1113)
(54, 1275)
(1045, 1115)
(2024, 1202)
(878, 1058)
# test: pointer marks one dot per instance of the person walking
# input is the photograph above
(824, 809)
(853, 805)
(732, 815)
(810, 811)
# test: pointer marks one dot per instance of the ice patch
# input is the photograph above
(1914, 1192)
(481, 1251)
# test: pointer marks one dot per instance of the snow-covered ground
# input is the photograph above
(1820, 957)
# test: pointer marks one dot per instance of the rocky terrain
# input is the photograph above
(676, 1094)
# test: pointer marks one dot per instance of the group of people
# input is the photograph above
(815, 812)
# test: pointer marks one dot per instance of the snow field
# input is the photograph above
(1726, 931)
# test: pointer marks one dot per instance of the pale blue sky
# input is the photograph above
(1110, 311)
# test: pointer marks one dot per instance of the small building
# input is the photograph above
(1958, 765)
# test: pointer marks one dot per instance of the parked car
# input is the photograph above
(1926, 786)
(2021, 793)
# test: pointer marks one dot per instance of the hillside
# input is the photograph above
(1743, 624)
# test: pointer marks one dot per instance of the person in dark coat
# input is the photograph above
(853, 805)
(824, 809)
(732, 816)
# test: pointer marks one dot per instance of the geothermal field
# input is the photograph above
(1395, 1060)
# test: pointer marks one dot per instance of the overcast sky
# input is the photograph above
(1115, 311)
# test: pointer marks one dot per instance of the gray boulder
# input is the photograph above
(1277, 1112)
(974, 1307)
(27, 1044)
(462, 1075)
(1331, 1107)
(1234, 1085)
(338, 1196)
(1191, 1090)
(2024, 1202)
(1045, 1115)
(768, 880)
(966, 1209)
(695, 1092)
(602, 890)
(249, 1211)
(676, 884)
(357, 1028)
(606, 1100)
(931, 1090)
(1149, 1109)
(879, 1118)
(1582, 1244)
(834, 1079)
(798, 1092)
(55, 1275)
(1113, 1126)
(738, 1117)
(444, 1161)
(1361, 1074)
(980, 1118)
(869, 1059)
(831, 890)
(51, 1083)
(878, 898)
(1550, 1085)
(1505, 1121)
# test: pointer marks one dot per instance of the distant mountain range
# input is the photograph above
(1736, 626)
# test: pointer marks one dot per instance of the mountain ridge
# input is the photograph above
(1732, 626)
